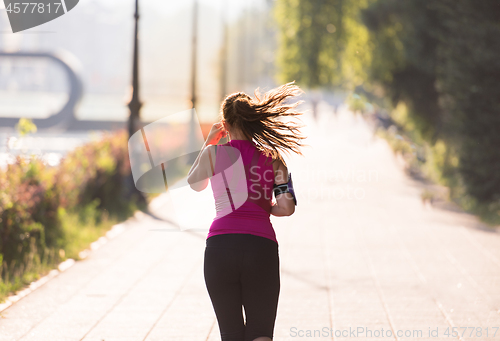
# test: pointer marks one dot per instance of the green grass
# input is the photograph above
(83, 228)
(80, 229)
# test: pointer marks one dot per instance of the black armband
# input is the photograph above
(285, 188)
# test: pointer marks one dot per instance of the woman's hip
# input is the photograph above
(241, 241)
(232, 255)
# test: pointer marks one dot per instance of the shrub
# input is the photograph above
(50, 213)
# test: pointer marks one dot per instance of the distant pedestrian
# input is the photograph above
(241, 265)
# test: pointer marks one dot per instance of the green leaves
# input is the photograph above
(25, 126)
(439, 58)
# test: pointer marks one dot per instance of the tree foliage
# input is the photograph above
(404, 58)
(468, 72)
(440, 58)
(317, 38)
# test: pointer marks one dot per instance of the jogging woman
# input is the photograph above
(241, 265)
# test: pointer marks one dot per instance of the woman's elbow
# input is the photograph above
(197, 186)
(192, 184)
(290, 210)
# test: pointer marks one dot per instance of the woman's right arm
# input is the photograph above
(284, 206)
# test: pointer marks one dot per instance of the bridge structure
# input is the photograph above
(65, 119)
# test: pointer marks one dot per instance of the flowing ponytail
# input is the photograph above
(259, 119)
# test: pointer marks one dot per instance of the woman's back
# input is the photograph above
(242, 185)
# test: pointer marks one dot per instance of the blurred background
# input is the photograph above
(234, 50)
(424, 74)
(100, 38)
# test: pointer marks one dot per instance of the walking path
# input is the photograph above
(361, 255)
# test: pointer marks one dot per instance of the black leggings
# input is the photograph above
(242, 270)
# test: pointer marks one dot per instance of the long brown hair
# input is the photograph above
(259, 119)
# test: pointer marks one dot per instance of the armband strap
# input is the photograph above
(285, 188)
(280, 189)
(290, 188)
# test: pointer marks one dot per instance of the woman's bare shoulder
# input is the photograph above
(280, 171)
(279, 165)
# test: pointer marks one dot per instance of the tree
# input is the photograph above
(322, 44)
(468, 73)
(441, 59)
(404, 58)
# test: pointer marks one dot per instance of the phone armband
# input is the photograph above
(285, 188)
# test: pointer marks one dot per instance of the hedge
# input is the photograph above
(48, 214)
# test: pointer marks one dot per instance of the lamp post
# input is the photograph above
(135, 103)
(194, 53)
(135, 107)
(192, 128)
(224, 52)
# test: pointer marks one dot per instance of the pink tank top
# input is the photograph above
(246, 206)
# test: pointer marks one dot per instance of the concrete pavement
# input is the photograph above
(361, 259)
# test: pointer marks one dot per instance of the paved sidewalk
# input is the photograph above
(360, 254)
